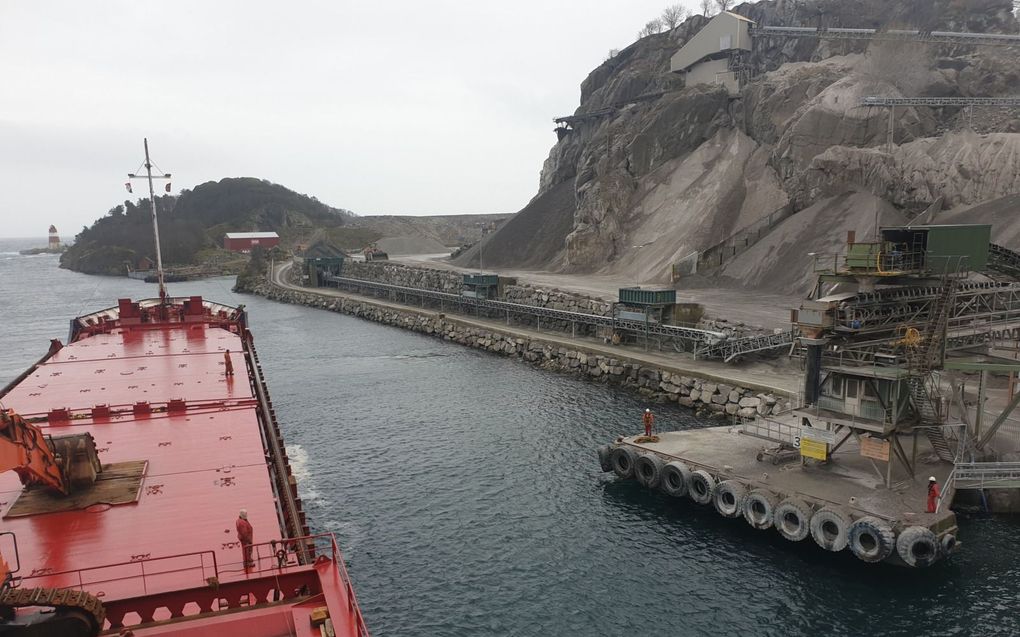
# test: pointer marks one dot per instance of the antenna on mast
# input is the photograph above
(155, 221)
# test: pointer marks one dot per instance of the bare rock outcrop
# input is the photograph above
(658, 170)
(961, 168)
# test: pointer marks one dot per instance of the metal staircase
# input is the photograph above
(924, 390)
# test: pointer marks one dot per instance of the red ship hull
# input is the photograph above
(148, 381)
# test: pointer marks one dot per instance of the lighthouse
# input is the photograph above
(54, 243)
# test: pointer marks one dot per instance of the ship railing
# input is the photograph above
(272, 558)
(144, 569)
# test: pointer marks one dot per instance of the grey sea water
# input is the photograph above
(465, 492)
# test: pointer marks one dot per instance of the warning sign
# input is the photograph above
(813, 449)
(875, 448)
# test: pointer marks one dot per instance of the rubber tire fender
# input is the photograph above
(648, 469)
(949, 544)
(701, 486)
(674, 478)
(830, 527)
(623, 459)
(604, 462)
(729, 498)
(882, 540)
(766, 501)
(793, 519)
(918, 546)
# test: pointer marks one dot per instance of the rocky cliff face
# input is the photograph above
(671, 170)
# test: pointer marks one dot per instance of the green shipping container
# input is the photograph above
(648, 296)
(481, 279)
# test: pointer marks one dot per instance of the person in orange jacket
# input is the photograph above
(934, 494)
(245, 535)
(649, 420)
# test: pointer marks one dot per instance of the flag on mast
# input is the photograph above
(127, 184)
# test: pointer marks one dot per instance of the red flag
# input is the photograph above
(127, 184)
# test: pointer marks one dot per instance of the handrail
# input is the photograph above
(140, 563)
(335, 555)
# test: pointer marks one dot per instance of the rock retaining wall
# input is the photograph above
(657, 384)
(448, 281)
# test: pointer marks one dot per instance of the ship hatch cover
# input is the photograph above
(119, 483)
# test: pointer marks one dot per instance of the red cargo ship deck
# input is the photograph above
(147, 380)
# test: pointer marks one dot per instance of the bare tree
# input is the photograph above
(706, 8)
(723, 5)
(674, 14)
(651, 27)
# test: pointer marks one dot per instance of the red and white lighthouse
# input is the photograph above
(54, 243)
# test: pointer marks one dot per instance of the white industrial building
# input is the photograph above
(713, 55)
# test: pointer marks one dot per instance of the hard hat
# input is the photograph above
(932, 479)
(648, 411)
(243, 514)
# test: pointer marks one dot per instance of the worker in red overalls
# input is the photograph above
(245, 535)
(649, 420)
(229, 365)
(934, 494)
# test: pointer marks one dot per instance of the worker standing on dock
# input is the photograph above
(229, 365)
(649, 420)
(934, 493)
(245, 535)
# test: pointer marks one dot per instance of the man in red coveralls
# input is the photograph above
(229, 365)
(933, 494)
(245, 536)
(649, 420)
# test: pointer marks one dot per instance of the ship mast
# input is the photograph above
(155, 220)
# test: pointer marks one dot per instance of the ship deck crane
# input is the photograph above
(65, 465)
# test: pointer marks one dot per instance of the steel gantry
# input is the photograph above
(969, 102)
(893, 35)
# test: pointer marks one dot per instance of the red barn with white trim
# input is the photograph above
(245, 241)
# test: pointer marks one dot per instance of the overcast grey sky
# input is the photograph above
(400, 107)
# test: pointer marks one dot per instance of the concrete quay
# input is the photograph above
(842, 504)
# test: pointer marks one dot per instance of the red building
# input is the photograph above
(245, 241)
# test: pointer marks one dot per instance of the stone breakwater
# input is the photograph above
(656, 383)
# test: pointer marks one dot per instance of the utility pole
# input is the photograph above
(155, 221)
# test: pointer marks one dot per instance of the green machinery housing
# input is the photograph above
(911, 252)
(482, 286)
(655, 305)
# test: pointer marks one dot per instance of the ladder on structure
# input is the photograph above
(924, 391)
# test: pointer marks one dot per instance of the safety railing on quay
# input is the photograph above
(772, 430)
(987, 475)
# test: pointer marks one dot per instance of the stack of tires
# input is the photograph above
(833, 528)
